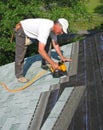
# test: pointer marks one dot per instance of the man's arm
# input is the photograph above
(57, 48)
(42, 52)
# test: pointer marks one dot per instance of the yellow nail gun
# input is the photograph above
(61, 72)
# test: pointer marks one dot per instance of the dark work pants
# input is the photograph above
(20, 52)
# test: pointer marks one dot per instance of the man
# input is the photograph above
(45, 31)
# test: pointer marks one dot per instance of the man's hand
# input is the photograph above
(57, 48)
(55, 66)
(64, 59)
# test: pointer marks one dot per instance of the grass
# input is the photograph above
(95, 9)
(93, 4)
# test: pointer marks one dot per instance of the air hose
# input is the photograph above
(26, 85)
(55, 73)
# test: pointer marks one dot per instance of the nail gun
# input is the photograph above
(61, 72)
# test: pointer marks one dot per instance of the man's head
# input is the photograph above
(60, 26)
(64, 23)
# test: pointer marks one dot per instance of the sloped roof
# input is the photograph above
(17, 109)
(71, 102)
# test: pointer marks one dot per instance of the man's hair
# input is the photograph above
(56, 21)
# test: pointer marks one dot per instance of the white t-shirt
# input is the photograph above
(37, 28)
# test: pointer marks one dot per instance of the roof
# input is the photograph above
(17, 109)
(71, 102)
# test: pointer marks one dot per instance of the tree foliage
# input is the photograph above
(12, 11)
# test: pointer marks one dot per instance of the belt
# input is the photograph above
(18, 26)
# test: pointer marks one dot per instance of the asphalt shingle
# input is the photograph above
(48, 125)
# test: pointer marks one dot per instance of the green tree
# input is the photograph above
(12, 11)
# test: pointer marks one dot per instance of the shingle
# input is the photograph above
(49, 123)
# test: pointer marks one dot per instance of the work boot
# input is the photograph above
(23, 80)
